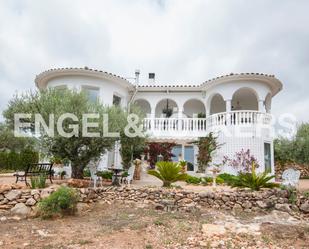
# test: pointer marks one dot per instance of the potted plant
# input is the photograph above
(183, 165)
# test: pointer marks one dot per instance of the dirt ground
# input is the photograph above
(134, 226)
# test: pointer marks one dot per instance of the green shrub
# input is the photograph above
(219, 180)
(38, 181)
(61, 202)
(168, 172)
(193, 179)
(254, 181)
(11, 160)
(105, 174)
(86, 172)
(228, 178)
(208, 180)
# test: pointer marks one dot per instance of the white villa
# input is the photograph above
(236, 107)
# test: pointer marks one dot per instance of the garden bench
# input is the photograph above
(35, 169)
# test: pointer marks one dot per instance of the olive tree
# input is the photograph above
(72, 141)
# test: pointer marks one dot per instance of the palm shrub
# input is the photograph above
(228, 178)
(253, 180)
(168, 172)
(61, 202)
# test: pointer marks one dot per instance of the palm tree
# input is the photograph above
(168, 172)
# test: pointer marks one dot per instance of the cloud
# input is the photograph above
(179, 40)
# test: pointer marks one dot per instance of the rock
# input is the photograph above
(212, 229)
(13, 195)
(35, 192)
(21, 209)
(82, 207)
(46, 192)
(5, 206)
(304, 207)
(43, 233)
(247, 205)
(283, 207)
(261, 204)
(30, 202)
(4, 201)
(159, 207)
(1, 197)
(168, 202)
(3, 218)
(4, 188)
(237, 208)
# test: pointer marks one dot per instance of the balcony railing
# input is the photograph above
(196, 127)
(238, 118)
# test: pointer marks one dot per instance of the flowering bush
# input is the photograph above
(242, 161)
(156, 149)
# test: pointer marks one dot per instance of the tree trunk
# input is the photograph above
(77, 170)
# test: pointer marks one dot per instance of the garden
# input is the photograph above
(188, 210)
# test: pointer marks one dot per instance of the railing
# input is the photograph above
(238, 118)
(175, 124)
(195, 127)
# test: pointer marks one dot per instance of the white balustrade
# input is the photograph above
(195, 127)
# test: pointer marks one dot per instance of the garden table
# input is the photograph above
(116, 175)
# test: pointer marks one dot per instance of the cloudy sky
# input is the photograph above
(179, 40)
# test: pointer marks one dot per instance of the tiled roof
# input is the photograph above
(237, 74)
(171, 85)
(86, 69)
(156, 85)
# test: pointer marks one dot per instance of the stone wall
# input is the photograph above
(22, 201)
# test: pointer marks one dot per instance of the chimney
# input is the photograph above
(151, 78)
(137, 72)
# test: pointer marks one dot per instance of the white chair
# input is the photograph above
(128, 179)
(290, 177)
(93, 168)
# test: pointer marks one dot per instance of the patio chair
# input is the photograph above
(93, 168)
(290, 177)
(128, 179)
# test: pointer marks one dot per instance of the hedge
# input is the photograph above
(17, 160)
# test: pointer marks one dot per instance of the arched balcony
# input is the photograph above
(194, 117)
(244, 108)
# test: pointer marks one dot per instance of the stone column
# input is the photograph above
(228, 105)
(261, 106)
(152, 116)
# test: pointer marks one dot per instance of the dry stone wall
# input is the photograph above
(23, 201)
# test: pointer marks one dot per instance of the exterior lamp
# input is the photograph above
(160, 158)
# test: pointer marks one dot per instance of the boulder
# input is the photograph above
(247, 205)
(262, 204)
(13, 195)
(4, 188)
(30, 202)
(304, 207)
(283, 207)
(237, 208)
(21, 209)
